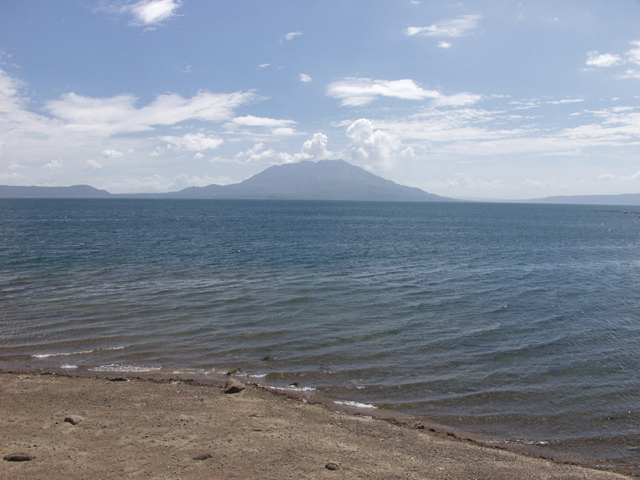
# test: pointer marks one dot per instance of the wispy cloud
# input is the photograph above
(194, 142)
(456, 27)
(355, 92)
(304, 77)
(291, 35)
(119, 114)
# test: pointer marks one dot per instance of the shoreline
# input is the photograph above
(144, 421)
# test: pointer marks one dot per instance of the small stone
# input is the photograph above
(18, 457)
(331, 466)
(233, 386)
(73, 419)
(204, 456)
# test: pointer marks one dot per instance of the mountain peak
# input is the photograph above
(321, 180)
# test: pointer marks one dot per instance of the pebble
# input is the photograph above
(18, 457)
(331, 466)
(204, 456)
(233, 386)
(73, 419)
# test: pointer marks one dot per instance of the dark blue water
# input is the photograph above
(521, 322)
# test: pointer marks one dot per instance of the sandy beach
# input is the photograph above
(138, 428)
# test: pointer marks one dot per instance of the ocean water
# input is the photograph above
(517, 322)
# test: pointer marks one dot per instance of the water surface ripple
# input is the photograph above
(519, 322)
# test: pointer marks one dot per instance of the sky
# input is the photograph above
(490, 99)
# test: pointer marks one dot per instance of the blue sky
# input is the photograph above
(491, 99)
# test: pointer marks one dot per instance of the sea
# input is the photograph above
(516, 323)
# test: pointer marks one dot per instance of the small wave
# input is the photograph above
(81, 352)
(64, 354)
(68, 366)
(251, 375)
(292, 388)
(349, 403)
(124, 368)
(194, 371)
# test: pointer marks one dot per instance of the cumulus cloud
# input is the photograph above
(119, 114)
(444, 44)
(371, 148)
(313, 149)
(304, 77)
(53, 165)
(633, 55)
(594, 59)
(151, 12)
(194, 142)
(456, 27)
(316, 148)
(94, 164)
(112, 154)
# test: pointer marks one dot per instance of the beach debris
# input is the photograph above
(233, 386)
(332, 466)
(18, 457)
(73, 419)
(203, 456)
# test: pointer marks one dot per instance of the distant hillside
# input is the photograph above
(76, 191)
(624, 199)
(323, 180)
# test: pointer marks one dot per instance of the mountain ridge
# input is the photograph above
(322, 180)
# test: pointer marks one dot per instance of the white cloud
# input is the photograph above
(458, 100)
(594, 59)
(631, 73)
(292, 35)
(371, 148)
(456, 27)
(633, 55)
(53, 165)
(304, 77)
(444, 44)
(316, 148)
(198, 156)
(355, 92)
(313, 149)
(194, 142)
(264, 65)
(119, 114)
(151, 12)
(283, 132)
(112, 154)
(94, 164)
(252, 121)
(566, 100)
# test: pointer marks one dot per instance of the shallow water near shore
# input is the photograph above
(518, 322)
